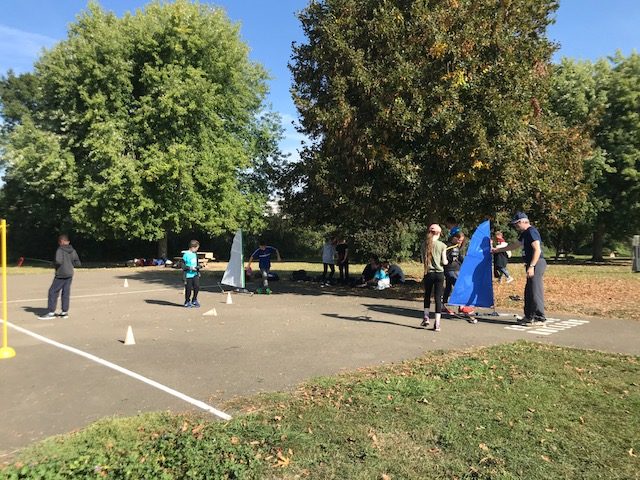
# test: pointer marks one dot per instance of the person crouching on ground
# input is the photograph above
(435, 259)
(65, 261)
(369, 271)
(535, 266)
(191, 269)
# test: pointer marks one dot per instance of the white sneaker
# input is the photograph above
(48, 316)
(64, 315)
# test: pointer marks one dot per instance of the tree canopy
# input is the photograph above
(156, 121)
(418, 110)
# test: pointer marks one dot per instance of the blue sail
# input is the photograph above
(474, 286)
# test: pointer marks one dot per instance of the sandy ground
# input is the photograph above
(259, 343)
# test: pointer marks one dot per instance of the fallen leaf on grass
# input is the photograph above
(550, 430)
(581, 419)
(282, 461)
(630, 452)
(197, 429)
(235, 441)
(545, 458)
(483, 447)
(384, 476)
(532, 410)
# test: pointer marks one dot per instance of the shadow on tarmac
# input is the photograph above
(37, 311)
(366, 319)
(163, 303)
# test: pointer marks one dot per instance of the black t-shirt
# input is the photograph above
(527, 237)
(341, 248)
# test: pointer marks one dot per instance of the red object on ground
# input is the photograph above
(20, 261)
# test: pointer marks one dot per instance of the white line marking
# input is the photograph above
(538, 332)
(128, 292)
(120, 369)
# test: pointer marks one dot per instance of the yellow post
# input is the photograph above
(5, 351)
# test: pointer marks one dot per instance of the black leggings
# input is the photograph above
(433, 281)
(324, 270)
(189, 285)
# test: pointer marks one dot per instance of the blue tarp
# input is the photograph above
(474, 286)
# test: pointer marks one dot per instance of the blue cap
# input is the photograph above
(519, 216)
(453, 231)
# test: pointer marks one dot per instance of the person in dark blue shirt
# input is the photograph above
(535, 266)
(263, 255)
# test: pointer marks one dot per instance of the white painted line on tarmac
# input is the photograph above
(111, 294)
(120, 369)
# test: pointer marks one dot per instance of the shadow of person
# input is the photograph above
(164, 303)
(37, 311)
(366, 319)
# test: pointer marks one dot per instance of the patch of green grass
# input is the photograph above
(507, 412)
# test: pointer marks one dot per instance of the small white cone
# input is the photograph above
(211, 313)
(126, 283)
(129, 340)
(229, 299)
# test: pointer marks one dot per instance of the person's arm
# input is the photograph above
(346, 256)
(59, 258)
(534, 259)
(250, 260)
(278, 254)
(445, 260)
(76, 260)
(511, 246)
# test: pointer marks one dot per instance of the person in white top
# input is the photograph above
(328, 260)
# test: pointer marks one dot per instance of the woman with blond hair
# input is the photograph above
(435, 259)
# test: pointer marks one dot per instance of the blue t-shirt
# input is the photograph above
(264, 257)
(527, 237)
(380, 274)
(190, 259)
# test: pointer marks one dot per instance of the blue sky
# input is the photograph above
(585, 29)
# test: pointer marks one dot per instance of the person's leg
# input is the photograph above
(196, 289)
(528, 299)
(428, 286)
(438, 288)
(332, 267)
(346, 271)
(325, 266)
(341, 271)
(54, 290)
(537, 287)
(66, 294)
(188, 287)
(265, 277)
(449, 282)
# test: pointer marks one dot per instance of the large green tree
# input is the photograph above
(162, 114)
(602, 99)
(420, 109)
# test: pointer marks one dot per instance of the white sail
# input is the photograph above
(234, 274)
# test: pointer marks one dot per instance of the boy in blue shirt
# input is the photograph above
(191, 270)
(263, 254)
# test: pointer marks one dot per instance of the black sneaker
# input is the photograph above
(64, 315)
(47, 316)
(539, 320)
(425, 322)
(525, 322)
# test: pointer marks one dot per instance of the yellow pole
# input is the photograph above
(5, 351)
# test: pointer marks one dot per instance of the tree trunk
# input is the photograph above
(598, 243)
(163, 246)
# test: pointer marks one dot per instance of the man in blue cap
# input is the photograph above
(535, 265)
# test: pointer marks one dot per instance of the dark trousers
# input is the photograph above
(191, 285)
(59, 284)
(534, 292)
(498, 272)
(450, 280)
(324, 271)
(433, 282)
(344, 271)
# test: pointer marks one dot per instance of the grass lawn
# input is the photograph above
(514, 411)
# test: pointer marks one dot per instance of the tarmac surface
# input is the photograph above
(259, 343)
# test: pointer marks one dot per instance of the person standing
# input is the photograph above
(65, 261)
(501, 260)
(452, 269)
(328, 261)
(435, 259)
(263, 254)
(343, 260)
(535, 265)
(191, 269)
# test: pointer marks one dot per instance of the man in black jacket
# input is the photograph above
(66, 260)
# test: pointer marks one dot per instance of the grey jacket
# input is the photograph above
(66, 259)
